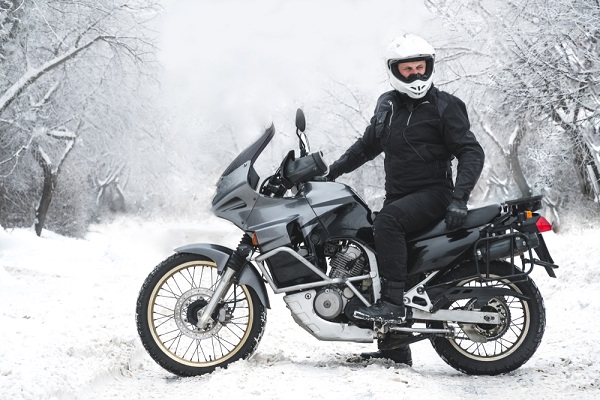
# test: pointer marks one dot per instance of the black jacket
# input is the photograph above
(418, 138)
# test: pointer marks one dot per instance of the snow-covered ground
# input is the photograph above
(67, 329)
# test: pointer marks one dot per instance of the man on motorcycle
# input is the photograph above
(419, 129)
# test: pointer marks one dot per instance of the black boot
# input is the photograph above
(395, 340)
(401, 355)
(389, 307)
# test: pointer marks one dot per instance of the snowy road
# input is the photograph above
(67, 330)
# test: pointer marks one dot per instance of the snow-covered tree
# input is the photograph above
(535, 68)
(73, 70)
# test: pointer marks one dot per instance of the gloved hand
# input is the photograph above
(321, 178)
(456, 214)
(330, 177)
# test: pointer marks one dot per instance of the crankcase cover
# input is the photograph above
(328, 303)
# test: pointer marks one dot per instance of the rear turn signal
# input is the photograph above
(543, 225)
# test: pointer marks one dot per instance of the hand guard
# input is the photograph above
(456, 214)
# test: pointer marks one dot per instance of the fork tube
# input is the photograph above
(234, 264)
(205, 314)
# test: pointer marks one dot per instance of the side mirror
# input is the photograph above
(300, 127)
(300, 120)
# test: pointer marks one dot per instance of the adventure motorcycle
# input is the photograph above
(206, 306)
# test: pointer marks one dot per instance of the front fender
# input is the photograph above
(220, 254)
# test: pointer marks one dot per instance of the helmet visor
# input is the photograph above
(393, 66)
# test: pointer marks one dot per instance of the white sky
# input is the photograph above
(238, 58)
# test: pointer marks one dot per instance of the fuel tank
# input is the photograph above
(340, 211)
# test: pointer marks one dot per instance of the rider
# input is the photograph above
(419, 128)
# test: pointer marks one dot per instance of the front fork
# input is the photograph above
(204, 315)
(234, 265)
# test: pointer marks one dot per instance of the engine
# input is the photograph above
(345, 262)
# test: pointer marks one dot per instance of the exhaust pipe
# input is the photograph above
(505, 246)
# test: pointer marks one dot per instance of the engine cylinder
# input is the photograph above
(347, 263)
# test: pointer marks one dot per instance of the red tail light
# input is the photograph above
(543, 225)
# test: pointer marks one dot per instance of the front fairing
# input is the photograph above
(236, 188)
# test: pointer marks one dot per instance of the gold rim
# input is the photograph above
(174, 302)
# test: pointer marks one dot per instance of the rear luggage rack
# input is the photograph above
(513, 235)
(516, 206)
(509, 245)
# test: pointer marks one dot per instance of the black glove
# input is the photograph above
(330, 177)
(334, 171)
(321, 178)
(456, 214)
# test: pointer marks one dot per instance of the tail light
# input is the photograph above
(543, 225)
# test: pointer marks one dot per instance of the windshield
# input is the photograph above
(252, 152)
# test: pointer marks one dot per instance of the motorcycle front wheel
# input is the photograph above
(168, 305)
(499, 348)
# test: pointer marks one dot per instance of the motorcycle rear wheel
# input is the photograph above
(167, 311)
(510, 344)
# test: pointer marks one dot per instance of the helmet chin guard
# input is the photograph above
(410, 48)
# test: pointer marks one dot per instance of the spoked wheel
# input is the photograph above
(487, 349)
(169, 305)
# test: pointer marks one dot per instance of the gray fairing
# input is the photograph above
(220, 254)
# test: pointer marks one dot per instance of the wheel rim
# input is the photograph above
(176, 300)
(503, 339)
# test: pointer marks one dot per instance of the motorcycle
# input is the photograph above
(469, 290)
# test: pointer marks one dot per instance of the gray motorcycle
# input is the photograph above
(469, 290)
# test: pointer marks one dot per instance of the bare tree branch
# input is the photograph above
(33, 75)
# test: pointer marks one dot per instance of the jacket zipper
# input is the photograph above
(413, 109)
(407, 123)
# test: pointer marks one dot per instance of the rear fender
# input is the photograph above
(220, 254)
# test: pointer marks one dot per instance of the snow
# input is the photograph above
(67, 329)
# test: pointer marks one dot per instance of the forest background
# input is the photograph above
(136, 106)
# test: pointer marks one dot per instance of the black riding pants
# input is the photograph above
(403, 215)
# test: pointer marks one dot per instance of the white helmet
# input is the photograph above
(410, 48)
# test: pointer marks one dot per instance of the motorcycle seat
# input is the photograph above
(475, 217)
